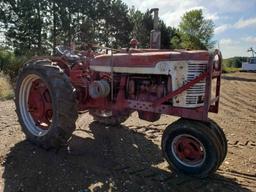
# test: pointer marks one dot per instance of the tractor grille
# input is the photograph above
(195, 95)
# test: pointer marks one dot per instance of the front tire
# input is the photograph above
(45, 104)
(221, 135)
(192, 147)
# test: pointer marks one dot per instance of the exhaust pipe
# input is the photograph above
(155, 34)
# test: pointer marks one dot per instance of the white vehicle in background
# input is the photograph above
(250, 65)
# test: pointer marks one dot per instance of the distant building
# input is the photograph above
(250, 65)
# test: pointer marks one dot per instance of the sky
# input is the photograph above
(235, 20)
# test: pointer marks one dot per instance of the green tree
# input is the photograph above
(6, 58)
(167, 36)
(24, 24)
(143, 24)
(176, 41)
(115, 26)
(196, 31)
(140, 30)
(234, 62)
(37, 26)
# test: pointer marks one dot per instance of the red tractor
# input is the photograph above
(50, 92)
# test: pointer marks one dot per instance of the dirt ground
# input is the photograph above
(128, 157)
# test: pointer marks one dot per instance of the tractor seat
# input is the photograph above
(67, 53)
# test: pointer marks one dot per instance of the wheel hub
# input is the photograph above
(39, 104)
(188, 150)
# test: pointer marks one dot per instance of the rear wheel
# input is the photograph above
(192, 147)
(45, 104)
(107, 117)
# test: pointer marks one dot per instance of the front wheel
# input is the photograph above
(192, 147)
(45, 104)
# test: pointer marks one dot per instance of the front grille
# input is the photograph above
(195, 95)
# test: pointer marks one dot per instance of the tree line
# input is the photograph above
(37, 26)
(234, 62)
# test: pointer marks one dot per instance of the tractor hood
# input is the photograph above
(146, 61)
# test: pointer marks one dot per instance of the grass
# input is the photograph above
(6, 91)
(230, 69)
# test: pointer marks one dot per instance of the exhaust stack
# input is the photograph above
(155, 34)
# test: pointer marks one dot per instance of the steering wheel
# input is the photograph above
(67, 53)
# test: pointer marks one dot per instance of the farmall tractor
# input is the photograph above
(51, 91)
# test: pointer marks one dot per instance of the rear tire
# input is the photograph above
(192, 147)
(108, 118)
(50, 128)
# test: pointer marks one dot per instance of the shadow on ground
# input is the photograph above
(107, 159)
